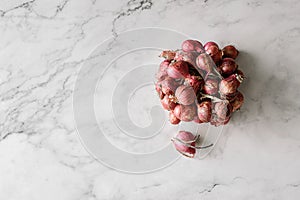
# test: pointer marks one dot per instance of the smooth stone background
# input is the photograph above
(43, 44)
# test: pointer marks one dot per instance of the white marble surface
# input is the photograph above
(44, 42)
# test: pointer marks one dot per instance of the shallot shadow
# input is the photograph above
(251, 88)
(268, 96)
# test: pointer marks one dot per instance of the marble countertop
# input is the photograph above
(43, 45)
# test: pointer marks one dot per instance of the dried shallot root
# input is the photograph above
(199, 83)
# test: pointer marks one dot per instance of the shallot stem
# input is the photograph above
(204, 147)
(187, 143)
(239, 78)
(173, 98)
(215, 99)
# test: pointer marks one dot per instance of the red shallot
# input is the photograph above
(185, 113)
(230, 52)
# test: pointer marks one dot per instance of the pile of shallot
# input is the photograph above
(200, 84)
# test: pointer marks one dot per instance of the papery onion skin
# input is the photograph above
(185, 95)
(182, 148)
(173, 119)
(204, 111)
(168, 54)
(185, 113)
(230, 51)
(167, 103)
(178, 69)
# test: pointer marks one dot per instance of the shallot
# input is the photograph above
(185, 95)
(237, 101)
(162, 72)
(178, 69)
(199, 83)
(204, 111)
(168, 86)
(189, 57)
(173, 119)
(223, 109)
(167, 103)
(185, 113)
(192, 45)
(230, 52)
(203, 62)
(195, 81)
(228, 66)
(186, 143)
(229, 85)
(211, 86)
(213, 50)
